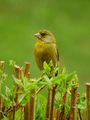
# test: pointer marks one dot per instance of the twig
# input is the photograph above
(84, 115)
(26, 70)
(52, 101)
(17, 73)
(29, 109)
(61, 115)
(39, 90)
(54, 113)
(13, 114)
(88, 99)
(79, 114)
(2, 63)
(2, 107)
(10, 110)
(48, 105)
(57, 115)
(21, 113)
(73, 103)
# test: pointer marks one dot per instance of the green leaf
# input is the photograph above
(4, 97)
(21, 97)
(63, 71)
(46, 68)
(7, 91)
(46, 78)
(18, 82)
(12, 62)
(56, 80)
(81, 104)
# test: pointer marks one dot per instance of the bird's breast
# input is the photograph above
(45, 52)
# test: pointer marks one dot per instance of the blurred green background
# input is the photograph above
(68, 20)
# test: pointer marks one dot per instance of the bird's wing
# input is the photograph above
(57, 55)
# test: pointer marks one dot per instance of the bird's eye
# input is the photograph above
(42, 34)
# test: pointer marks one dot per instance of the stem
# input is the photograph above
(1, 104)
(10, 110)
(54, 113)
(17, 73)
(52, 102)
(88, 99)
(26, 70)
(39, 90)
(79, 114)
(73, 103)
(21, 113)
(57, 115)
(13, 113)
(84, 115)
(29, 109)
(48, 107)
(2, 107)
(61, 115)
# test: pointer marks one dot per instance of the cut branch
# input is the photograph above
(52, 101)
(29, 109)
(48, 104)
(61, 115)
(73, 103)
(17, 73)
(88, 99)
(57, 115)
(2, 107)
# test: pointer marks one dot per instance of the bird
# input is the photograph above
(45, 49)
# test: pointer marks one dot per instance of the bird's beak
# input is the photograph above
(38, 35)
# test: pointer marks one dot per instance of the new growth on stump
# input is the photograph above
(29, 109)
(63, 101)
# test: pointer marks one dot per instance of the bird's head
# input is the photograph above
(45, 36)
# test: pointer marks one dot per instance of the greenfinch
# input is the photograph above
(45, 49)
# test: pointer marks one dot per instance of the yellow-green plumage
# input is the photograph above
(45, 49)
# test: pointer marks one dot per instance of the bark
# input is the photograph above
(52, 102)
(48, 105)
(29, 109)
(61, 115)
(88, 99)
(73, 103)
(57, 115)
